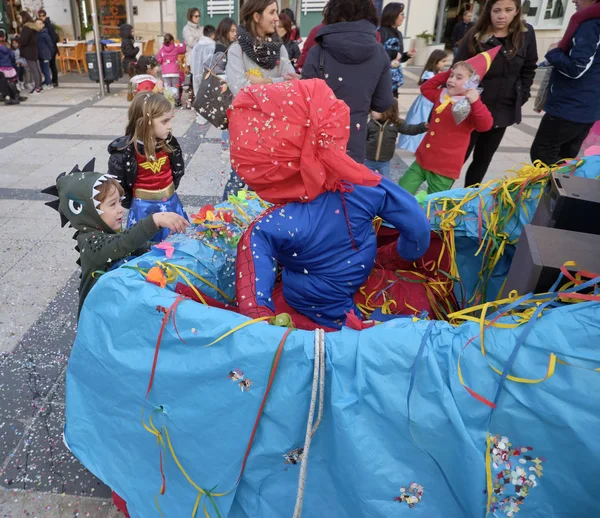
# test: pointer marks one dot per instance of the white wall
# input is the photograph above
(147, 21)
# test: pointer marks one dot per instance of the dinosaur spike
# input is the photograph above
(77, 248)
(53, 204)
(78, 262)
(75, 169)
(89, 167)
(63, 219)
(100, 211)
(94, 192)
(96, 202)
(52, 190)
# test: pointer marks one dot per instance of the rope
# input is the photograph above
(318, 383)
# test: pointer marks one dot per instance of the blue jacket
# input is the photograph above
(574, 91)
(7, 57)
(321, 269)
(46, 48)
(357, 69)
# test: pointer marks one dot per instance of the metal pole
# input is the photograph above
(98, 47)
(162, 29)
(406, 34)
(440, 22)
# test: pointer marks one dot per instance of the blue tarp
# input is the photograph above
(395, 411)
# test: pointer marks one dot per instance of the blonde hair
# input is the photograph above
(146, 107)
(106, 188)
(467, 66)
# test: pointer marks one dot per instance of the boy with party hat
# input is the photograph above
(457, 112)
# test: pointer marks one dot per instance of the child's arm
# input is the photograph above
(180, 48)
(129, 49)
(431, 88)
(402, 210)
(100, 248)
(480, 116)
(412, 129)
(160, 57)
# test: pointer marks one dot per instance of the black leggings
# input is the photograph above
(483, 146)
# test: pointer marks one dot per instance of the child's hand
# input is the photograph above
(160, 86)
(472, 95)
(395, 63)
(427, 125)
(174, 222)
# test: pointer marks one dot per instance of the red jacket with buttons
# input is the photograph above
(444, 147)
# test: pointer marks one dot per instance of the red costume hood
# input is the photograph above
(288, 141)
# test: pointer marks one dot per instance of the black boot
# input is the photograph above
(11, 101)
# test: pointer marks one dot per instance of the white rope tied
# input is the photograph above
(318, 382)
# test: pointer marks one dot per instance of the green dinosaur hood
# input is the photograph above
(76, 204)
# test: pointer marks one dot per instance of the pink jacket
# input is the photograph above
(167, 57)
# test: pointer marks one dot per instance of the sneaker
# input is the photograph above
(21, 98)
(55, 85)
(11, 101)
(48, 87)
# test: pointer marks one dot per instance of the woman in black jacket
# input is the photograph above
(284, 29)
(129, 50)
(393, 17)
(507, 84)
(29, 49)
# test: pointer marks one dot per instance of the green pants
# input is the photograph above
(416, 175)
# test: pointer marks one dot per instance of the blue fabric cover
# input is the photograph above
(395, 411)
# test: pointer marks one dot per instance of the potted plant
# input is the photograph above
(425, 47)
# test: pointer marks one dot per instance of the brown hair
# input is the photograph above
(146, 107)
(222, 34)
(434, 58)
(191, 12)
(25, 17)
(247, 12)
(106, 188)
(42, 12)
(168, 39)
(392, 114)
(286, 24)
(482, 30)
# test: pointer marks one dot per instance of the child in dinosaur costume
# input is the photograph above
(288, 143)
(91, 202)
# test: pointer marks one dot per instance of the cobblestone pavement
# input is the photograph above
(42, 137)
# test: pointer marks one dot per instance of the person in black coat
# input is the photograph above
(355, 66)
(45, 52)
(507, 84)
(29, 49)
(54, 37)
(461, 28)
(392, 17)
(284, 30)
(129, 50)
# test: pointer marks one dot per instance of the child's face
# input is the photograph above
(441, 64)
(14, 44)
(113, 210)
(40, 24)
(456, 82)
(376, 115)
(163, 126)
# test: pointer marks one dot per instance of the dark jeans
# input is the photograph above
(45, 68)
(483, 146)
(54, 71)
(234, 184)
(558, 138)
(21, 72)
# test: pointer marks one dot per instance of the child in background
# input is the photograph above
(8, 74)
(45, 51)
(202, 55)
(420, 109)
(21, 63)
(144, 75)
(148, 161)
(382, 132)
(167, 57)
(457, 112)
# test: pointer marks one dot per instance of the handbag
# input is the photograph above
(542, 95)
(214, 98)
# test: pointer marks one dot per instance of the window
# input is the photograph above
(545, 14)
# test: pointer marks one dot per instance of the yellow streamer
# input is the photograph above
(237, 328)
(488, 473)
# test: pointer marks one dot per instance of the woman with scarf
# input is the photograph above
(259, 56)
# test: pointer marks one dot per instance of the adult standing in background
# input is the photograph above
(573, 102)
(355, 66)
(284, 30)
(507, 84)
(29, 49)
(192, 32)
(258, 57)
(392, 17)
(295, 32)
(54, 38)
(461, 28)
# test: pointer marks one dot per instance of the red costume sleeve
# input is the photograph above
(431, 88)
(146, 86)
(480, 116)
